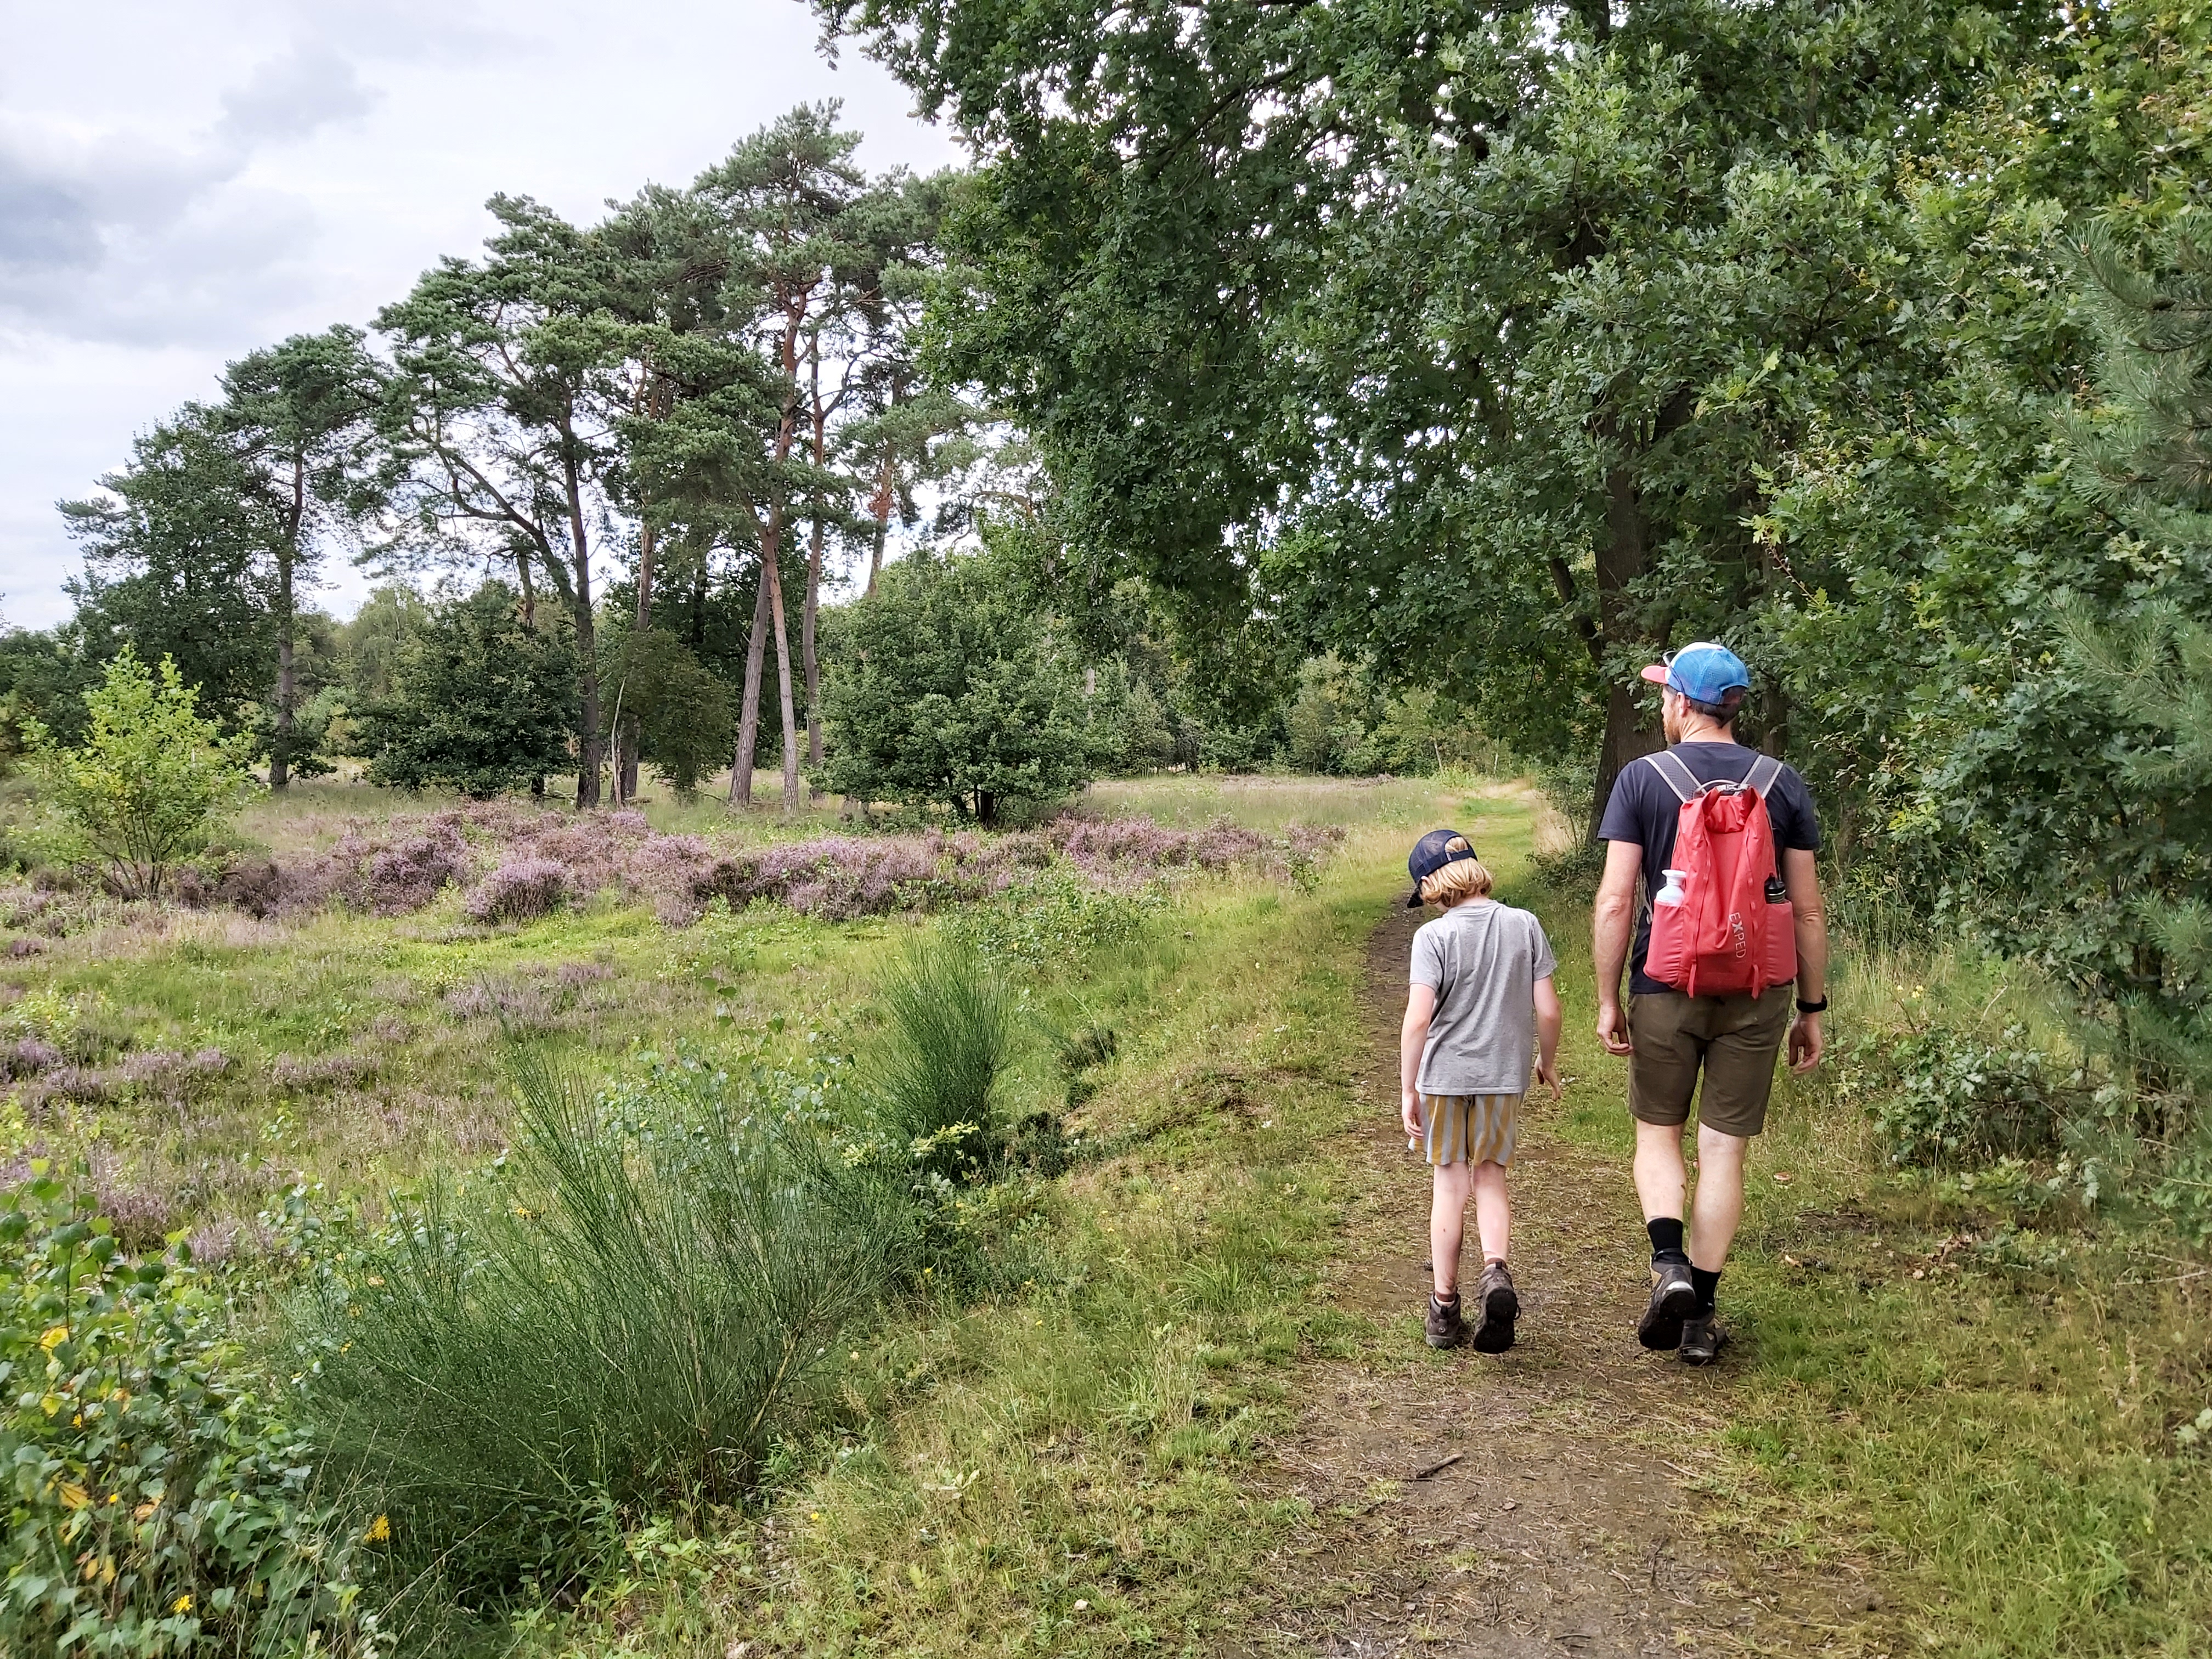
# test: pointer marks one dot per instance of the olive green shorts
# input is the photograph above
(1734, 1041)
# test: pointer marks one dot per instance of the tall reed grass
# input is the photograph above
(648, 1295)
(627, 1317)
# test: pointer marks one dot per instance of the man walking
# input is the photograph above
(1670, 1033)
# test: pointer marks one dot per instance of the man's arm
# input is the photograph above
(1547, 1035)
(1413, 1037)
(1799, 875)
(1613, 921)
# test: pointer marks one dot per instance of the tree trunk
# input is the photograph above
(783, 692)
(528, 588)
(627, 739)
(1629, 730)
(588, 676)
(287, 690)
(886, 488)
(807, 658)
(741, 765)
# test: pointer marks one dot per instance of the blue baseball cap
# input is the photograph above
(1705, 672)
(1430, 854)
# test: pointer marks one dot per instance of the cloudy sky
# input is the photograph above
(181, 182)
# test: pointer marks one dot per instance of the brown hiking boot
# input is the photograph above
(1702, 1340)
(1445, 1328)
(1500, 1308)
(1674, 1300)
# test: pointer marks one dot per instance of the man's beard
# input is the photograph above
(1670, 721)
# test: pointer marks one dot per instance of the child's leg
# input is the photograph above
(1493, 1212)
(1447, 1222)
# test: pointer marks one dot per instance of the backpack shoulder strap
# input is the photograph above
(1760, 778)
(1679, 777)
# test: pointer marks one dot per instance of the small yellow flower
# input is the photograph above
(379, 1531)
(54, 1338)
(182, 1604)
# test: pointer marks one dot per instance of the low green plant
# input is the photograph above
(1055, 916)
(934, 1086)
(623, 1318)
(159, 1501)
(150, 778)
(1941, 1098)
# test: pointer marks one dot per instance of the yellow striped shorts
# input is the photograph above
(1470, 1128)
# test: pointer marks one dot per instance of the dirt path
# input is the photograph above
(1563, 1527)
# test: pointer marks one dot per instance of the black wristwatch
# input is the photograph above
(1805, 1007)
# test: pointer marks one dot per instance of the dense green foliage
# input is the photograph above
(678, 707)
(626, 1317)
(159, 1501)
(954, 693)
(147, 783)
(481, 702)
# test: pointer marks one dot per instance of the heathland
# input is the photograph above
(1145, 1373)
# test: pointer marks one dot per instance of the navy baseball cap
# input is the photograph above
(1705, 672)
(1430, 854)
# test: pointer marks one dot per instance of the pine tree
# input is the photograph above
(2146, 451)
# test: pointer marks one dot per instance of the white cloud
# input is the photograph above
(237, 170)
(290, 96)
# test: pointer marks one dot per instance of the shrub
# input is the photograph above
(952, 692)
(627, 1316)
(158, 1502)
(521, 889)
(935, 1084)
(148, 779)
(1941, 1098)
(1056, 915)
(482, 704)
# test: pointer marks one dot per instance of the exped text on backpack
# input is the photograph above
(1722, 924)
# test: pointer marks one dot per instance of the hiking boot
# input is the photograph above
(1702, 1340)
(1500, 1308)
(1445, 1328)
(1674, 1300)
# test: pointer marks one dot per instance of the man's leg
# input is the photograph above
(1447, 1223)
(1662, 1076)
(1719, 1207)
(1660, 1177)
(1746, 1040)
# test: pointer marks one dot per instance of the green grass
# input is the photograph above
(1994, 1438)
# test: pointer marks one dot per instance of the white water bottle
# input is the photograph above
(1674, 893)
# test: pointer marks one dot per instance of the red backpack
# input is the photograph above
(1722, 924)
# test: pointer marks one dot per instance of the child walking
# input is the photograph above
(1481, 1008)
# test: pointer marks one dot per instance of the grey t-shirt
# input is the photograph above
(1483, 958)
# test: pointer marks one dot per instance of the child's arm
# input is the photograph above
(1547, 1035)
(1413, 1038)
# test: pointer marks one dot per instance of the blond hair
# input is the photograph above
(1462, 878)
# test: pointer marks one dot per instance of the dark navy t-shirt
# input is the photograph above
(1644, 809)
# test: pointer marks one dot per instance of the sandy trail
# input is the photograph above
(1564, 1527)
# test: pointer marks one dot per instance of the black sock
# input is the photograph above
(1666, 1232)
(1704, 1284)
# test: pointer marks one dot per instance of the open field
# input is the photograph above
(1947, 1425)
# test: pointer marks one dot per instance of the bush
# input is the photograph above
(521, 889)
(627, 1316)
(935, 1084)
(483, 703)
(950, 691)
(1055, 915)
(1942, 1099)
(149, 778)
(158, 1502)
